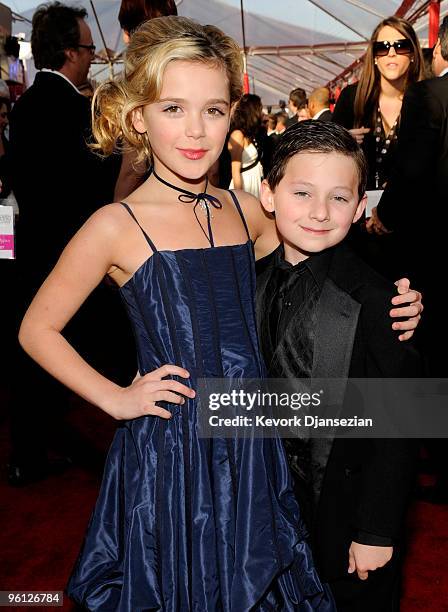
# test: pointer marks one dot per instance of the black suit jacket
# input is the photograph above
(57, 180)
(326, 116)
(360, 486)
(414, 201)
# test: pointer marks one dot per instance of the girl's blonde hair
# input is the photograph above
(369, 88)
(153, 46)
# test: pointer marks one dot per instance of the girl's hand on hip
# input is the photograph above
(139, 399)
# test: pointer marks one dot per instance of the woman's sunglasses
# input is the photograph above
(401, 47)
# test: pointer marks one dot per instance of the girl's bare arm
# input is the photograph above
(82, 265)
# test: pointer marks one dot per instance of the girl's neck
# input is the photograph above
(393, 89)
(194, 185)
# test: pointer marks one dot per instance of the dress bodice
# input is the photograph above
(195, 308)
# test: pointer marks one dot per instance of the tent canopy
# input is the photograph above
(289, 43)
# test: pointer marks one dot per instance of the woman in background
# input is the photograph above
(245, 145)
(371, 110)
(132, 14)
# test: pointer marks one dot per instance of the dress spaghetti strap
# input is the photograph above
(238, 207)
(148, 239)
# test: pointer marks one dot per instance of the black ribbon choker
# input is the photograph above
(203, 199)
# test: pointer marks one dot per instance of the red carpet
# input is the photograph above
(43, 525)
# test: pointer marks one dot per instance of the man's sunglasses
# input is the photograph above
(401, 47)
(92, 48)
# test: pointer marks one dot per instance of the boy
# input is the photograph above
(322, 315)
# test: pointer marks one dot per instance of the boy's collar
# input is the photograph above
(317, 263)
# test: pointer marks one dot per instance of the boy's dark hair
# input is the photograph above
(55, 29)
(316, 137)
(134, 12)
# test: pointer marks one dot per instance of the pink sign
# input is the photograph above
(7, 243)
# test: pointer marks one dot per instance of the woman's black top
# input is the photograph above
(344, 114)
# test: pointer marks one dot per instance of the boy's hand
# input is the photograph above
(410, 305)
(364, 559)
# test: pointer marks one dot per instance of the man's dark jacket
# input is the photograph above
(57, 180)
(360, 487)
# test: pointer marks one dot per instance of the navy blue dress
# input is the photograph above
(184, 523)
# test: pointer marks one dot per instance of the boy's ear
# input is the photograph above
(267, 197)
(138, 121)
(360, 208)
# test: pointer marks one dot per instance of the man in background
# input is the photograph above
(319, 104)
(58, 183)
(297, 102)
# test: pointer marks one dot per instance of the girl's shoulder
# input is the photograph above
(108, 222)
(109, 217)
(261, 225)
(250, 207)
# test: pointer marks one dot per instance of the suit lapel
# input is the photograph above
(264, 268)
(337, 320)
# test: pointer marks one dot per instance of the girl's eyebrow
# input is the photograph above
(182, 100)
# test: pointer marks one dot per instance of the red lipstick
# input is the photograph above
(193, 153)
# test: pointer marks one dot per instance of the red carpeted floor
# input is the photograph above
(42, 526)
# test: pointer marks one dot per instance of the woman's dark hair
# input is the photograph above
(368, 90)
(55, 29)
(12, 46)
(247, 116)
(316, 137)
(134, 12)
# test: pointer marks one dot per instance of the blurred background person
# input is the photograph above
(319, 104)
(4, 146)
(282, 119)
(303, 112)
(413, 206)
(428, 72)
(49, 130)
(371, 110)
(280, 127)
(271, 124)
(131, 15)
(246, 144)
(134, 12)
(297, 102)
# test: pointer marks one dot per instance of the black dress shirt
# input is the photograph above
(288, 341)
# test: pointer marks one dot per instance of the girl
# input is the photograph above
(181, 523)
